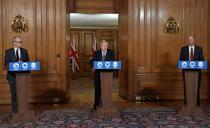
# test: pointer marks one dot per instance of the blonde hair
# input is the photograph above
(104, 41)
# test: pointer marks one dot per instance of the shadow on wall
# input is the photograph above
(158, 86)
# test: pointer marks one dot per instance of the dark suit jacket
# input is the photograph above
(98, 56)
(11, 57)
(109, 55)
(198, 54)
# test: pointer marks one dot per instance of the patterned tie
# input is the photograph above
(191, 54)
(17, 55)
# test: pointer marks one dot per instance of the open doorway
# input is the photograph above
(86, 32)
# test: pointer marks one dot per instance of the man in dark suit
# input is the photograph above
(104, 54)
(15, 54)
(192, 52)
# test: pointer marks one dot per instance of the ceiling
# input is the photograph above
(93, 20)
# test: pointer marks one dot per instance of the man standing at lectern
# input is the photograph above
(104, 54)
(15, 54)
(191, 52)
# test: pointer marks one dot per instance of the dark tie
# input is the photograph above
(17, 55)
(191, 54)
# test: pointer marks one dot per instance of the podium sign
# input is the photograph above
(107, 65)
(192, 65)
(24, 66)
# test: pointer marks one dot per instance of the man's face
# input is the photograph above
(191, 40)
(104, 45)
(17, 43)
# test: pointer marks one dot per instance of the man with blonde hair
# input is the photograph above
(104, 54)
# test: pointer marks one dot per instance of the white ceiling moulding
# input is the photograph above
(78, 20)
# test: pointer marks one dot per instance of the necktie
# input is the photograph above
(103, 55)
(191, 54)
(17, 55)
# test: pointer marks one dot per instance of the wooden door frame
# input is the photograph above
(124, 74)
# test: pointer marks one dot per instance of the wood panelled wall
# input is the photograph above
(152, 55)
(208, 49)
(45, 41)
(93, 6)
(149, 56)
(123, 50)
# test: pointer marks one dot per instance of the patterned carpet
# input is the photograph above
(130, 118)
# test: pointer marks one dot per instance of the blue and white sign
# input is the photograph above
(107, 65)
(24, 66)
(192, 65)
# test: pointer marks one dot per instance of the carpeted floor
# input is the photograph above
(130, 118)
(82, 90)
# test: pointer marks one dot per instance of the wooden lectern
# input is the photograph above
(22, 87)
(191, 83)
(107, 109)
(192, 69)
(22, 71)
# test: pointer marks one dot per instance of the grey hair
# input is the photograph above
(14, 39)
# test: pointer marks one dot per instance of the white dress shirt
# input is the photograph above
(19, 53)
(193, 48)
(103, 53)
